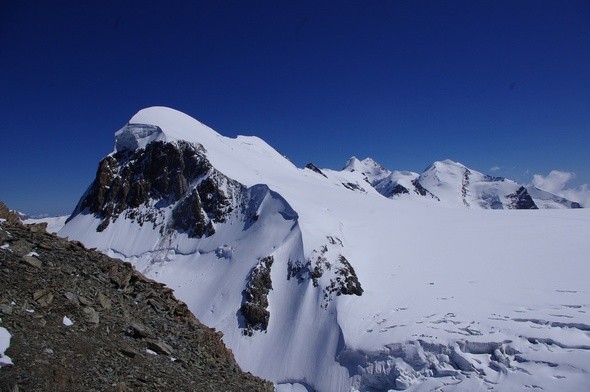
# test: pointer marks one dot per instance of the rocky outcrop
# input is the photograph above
(329, 266)
(465, 186)
(399, 190)
(80, 320)
(314, 168)
(345, 281)
(8, 215)
(353, 186)
(521, 200)
(255, 303)
(140, 183)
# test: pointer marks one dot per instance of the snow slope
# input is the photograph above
(4, 344)
(452, 298)
(54, 223)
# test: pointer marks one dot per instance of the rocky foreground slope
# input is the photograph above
(80, 320)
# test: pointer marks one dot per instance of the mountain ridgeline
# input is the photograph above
(326, 280)
(453, 183)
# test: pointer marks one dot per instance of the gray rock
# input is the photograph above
(38, 227)
(21, 247)
(139, 331)
(91, 315)
(159, 347)
(45, 245)
(32, 261)
(6, 309)
(85, 301)
(71, 297)
(39, 293)
(105, 302)
(43, 297)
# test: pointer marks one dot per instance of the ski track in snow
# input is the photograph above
(454, 299)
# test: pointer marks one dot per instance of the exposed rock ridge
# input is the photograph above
(255, 303)
(140, 183)
(465, 186)
(328, 265)
(80, 320)
(314, 168)
(521, 200)
(10, 216)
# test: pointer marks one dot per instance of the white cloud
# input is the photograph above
(556, 181)
(581, 195)
(495, 168)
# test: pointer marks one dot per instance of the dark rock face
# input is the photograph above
(399, 189)
(521, 200)
(389, 188)
(188, 217)
(159, 176)
(465, 185)
(341, 277)
(81, 321)
(314, 168)
(353, 186)
(255, 303)
(419, 189)
(346, 282)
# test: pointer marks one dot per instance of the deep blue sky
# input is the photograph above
(487, 83)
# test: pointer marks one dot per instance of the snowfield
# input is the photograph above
(454, 297)
(4, 344)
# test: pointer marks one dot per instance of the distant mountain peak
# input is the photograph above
(444, 164)
(371, 170)
(452, 183)
(450, 162)
(351, 164)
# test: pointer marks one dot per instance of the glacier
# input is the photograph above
(446, 297)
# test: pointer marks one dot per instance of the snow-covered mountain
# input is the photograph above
(452, 183)
(545, 199)
(319, 282)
